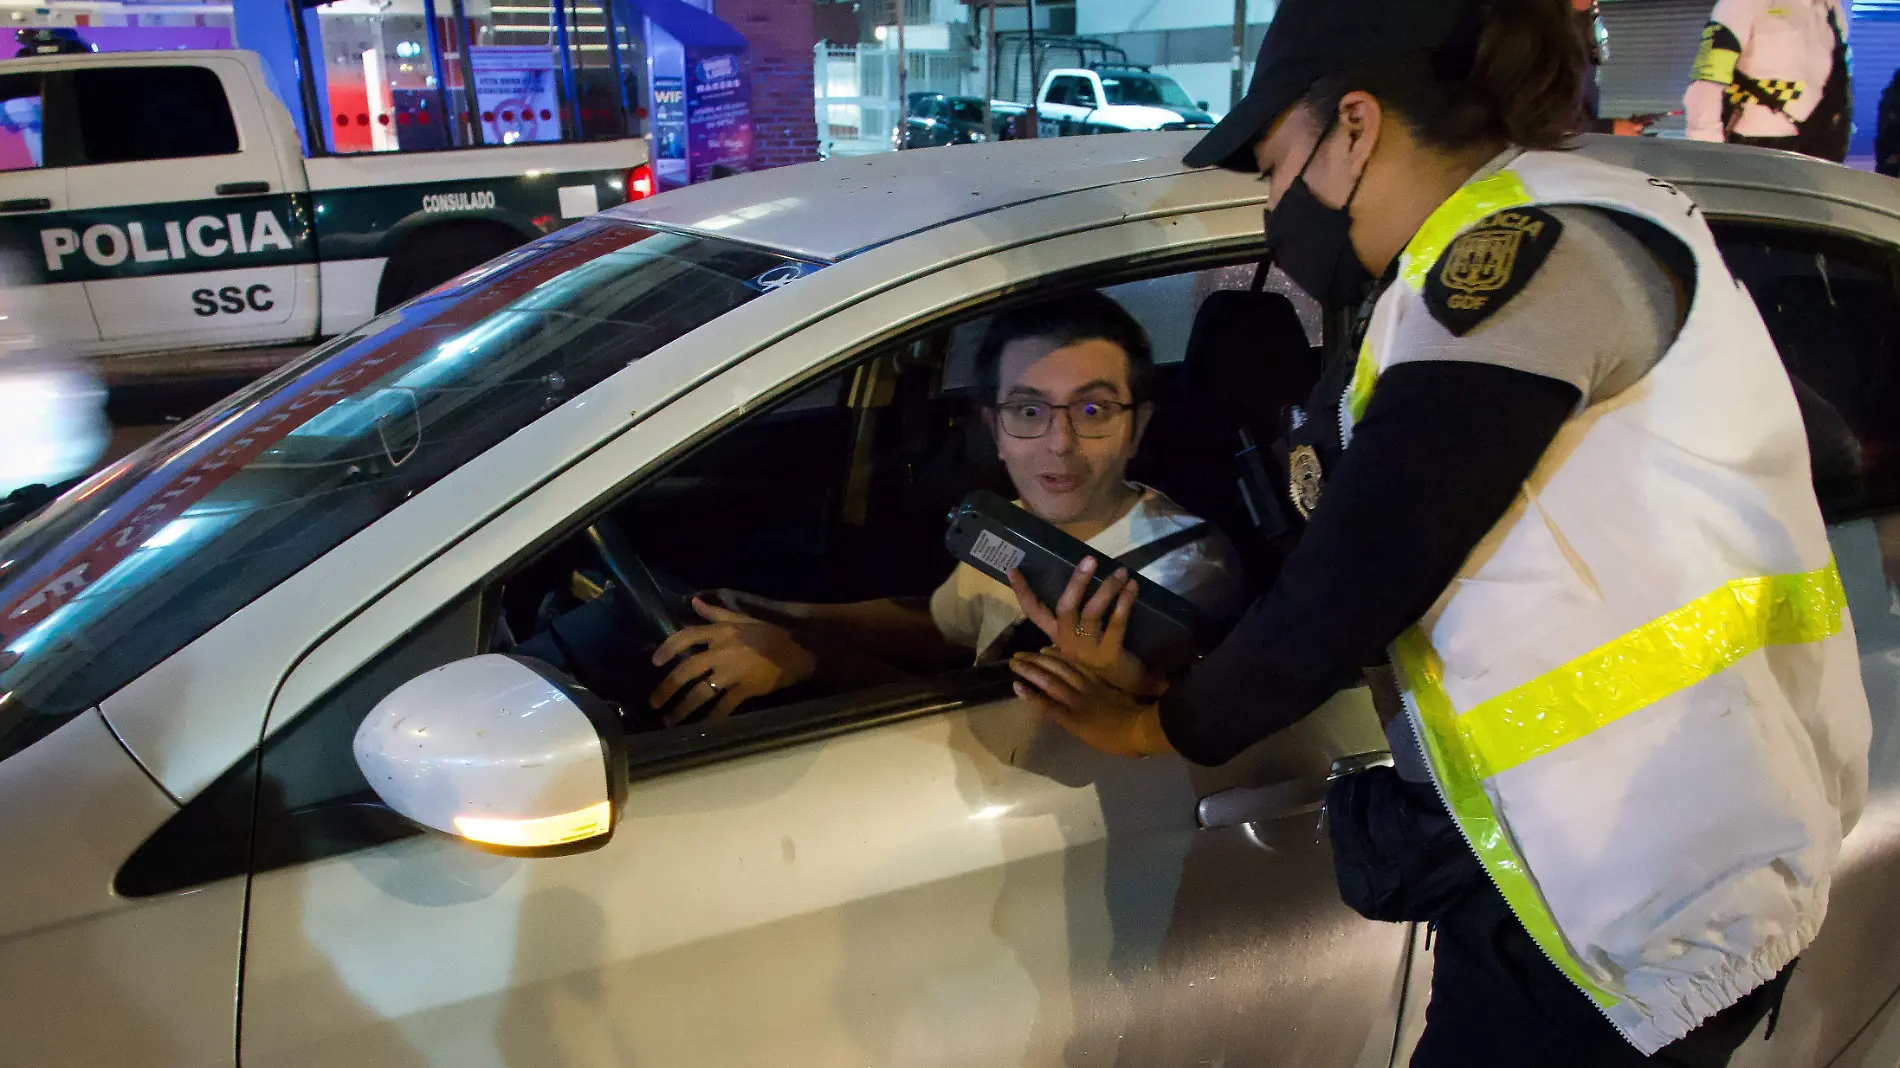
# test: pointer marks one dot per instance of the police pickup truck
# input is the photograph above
(162, 201)
(1097, 100)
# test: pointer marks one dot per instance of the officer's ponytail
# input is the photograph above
(1513, 70)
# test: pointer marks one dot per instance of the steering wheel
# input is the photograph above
(639, 595)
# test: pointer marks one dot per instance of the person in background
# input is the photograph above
(1596, 39)
(1774, 74)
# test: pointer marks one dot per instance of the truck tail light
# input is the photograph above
(640, 183)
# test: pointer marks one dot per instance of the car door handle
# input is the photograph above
(1258, 804)
(242, 189)
(1296, 797)
(25, 204)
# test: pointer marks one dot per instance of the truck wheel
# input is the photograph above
(434, 256)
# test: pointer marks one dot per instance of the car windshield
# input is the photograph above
(966, 111)
(1145, 89)
(152, 552)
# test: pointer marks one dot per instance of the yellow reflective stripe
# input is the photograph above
(1422, 672)
(1472, 202)
(1364, 374)
(1659, 658)
(1662, 657)
(1715, 65)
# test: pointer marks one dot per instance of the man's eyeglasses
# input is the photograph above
(1088, 419)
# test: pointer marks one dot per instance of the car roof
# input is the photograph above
(829, 211)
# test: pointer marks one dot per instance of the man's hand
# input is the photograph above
(742, 658)
(782, 613)
(1112, 720)
(1628, 127)
(1078, 633)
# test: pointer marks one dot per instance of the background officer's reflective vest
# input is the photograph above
(1782, 63)
(1641, 697)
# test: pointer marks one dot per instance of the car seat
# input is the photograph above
(1209, 445)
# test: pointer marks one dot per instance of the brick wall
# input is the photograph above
(779, 36)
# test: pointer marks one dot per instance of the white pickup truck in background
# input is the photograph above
(161, 202)
(1097, 100)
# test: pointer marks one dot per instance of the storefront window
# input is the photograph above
(599, 90)
(541, 71)
(525, 92)
(378, 90)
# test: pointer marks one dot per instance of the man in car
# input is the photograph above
(1064, 385)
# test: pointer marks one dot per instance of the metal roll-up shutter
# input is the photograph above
(1652, 46)
(1874, 38)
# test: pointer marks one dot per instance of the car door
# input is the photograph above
(921, 873)
(36, 142)
(1059, 112)
(921, 123)
(185, 226)
(1087, 99)
(1829, 299)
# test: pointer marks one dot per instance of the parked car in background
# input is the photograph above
(934, 119)
(764, 383)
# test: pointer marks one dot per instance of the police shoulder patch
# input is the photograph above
(1487, 265)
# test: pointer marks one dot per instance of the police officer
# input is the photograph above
(1773, 73)
(1563, 488)
(1596, 41)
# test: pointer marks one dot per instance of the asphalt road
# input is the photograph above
(141, 411)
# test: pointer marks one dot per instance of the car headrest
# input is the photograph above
(1247, 358)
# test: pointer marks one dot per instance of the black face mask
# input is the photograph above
(1312, 242)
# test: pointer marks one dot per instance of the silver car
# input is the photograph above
(761, 383)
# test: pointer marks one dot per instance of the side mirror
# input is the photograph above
(504, 752)
(1202, 104)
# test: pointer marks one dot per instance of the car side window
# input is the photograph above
(803, 514)
(138, 114)
(1061, 91)
(836, 493)
(927, 107)
(1084, 94)
(22, 146)
(1832, 306)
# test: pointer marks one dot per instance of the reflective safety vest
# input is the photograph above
(1777, 60)
(1640, 697)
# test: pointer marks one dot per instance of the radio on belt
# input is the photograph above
(994, 536)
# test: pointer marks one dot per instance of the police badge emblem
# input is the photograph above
(1487, 265)
(1304, 476)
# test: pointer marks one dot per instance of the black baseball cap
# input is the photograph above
(1310, 39)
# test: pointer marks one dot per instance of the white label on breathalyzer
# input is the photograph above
(996, 552)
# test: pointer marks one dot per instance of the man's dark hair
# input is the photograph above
(1066, 320)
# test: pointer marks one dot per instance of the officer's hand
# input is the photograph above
(1628, 127)
(1080, 634)
(740, 658)
(1112, 720)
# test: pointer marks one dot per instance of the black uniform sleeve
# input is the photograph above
(1442, 452)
